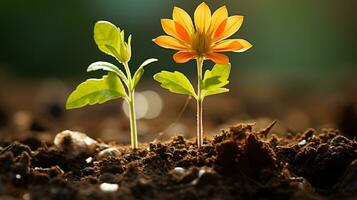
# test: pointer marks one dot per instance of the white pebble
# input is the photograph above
(111, 151)
(109, 187)
(179, 170)
(201, 172)
(75, 143)
(302, 143)
(89, 160)
(18, 176)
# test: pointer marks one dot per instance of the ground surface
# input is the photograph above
(238, 163)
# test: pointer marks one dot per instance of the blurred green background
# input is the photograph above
(292, 39)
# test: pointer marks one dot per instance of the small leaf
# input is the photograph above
(217, 77)
(107, 67)
(140, 71)
(214, 91)
(211, 82)
(96, 91)
(175, 82)
(107, 38)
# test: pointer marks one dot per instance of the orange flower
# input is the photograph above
(206, 39)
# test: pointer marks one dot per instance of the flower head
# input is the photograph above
(206, 38)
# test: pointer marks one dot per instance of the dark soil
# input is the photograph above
(236, 164)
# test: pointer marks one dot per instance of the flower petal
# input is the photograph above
(232, 26)
(217, 18)
(181, 16)
(182, 56)
(202, 17)
(217, 58)
(169, 43)
(182, 33)
(168, 25)
(236, 45)
(175, 30)
(218, 32)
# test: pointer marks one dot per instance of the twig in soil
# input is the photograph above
(6, 148)
(183, 109)
(267, 129)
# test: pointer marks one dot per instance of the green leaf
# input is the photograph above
(107, 67)
(214, 91)
(214, 80)
(175, 82)
(107, 38)
(217, 77)
(96, 91)
(140, 71)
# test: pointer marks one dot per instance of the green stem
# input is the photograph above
(133, 131)
(131, 102)
(199, 103)
(128, 73)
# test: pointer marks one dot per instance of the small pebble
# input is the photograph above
(201, 172)
(18, 176)
(89, 160)
(111, 151)
(74, 143)
(302, 143)
(179, 170)
(88, 170)
(109, 187)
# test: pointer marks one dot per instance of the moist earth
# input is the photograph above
(238, 163)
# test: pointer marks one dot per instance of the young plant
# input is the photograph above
(203, 41)
(110, 40)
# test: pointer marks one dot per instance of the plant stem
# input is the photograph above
(131, 103)
(133, 131)
(199, 102)
(128, 73)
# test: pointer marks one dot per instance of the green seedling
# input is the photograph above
(110, 40)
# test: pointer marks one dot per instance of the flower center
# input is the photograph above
(201, 43)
